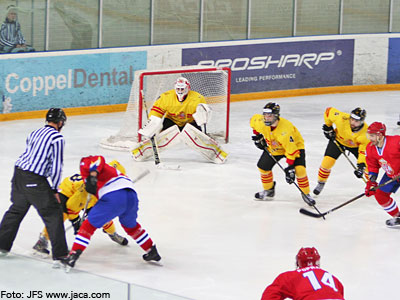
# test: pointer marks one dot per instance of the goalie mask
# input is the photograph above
(271, 109)
(307, 257)
(182, 87)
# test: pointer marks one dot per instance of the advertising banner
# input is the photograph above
(393, 71)
(280, 66)
(38, 83)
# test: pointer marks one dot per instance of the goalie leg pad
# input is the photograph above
(166, 139)
(202, 143)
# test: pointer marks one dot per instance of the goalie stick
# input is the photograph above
(154, 146)
(314, 215)
(348, 159)
(296, 185)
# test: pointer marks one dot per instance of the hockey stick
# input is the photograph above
(136, 179)
(314, 215)
(154, 145)
(296, 185)
(348, 159)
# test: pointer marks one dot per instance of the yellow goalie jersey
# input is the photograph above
(344, 135)
(285, 139)
(180, 113)
(74, 188)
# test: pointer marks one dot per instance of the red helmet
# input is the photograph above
(307, 257)
(377, 127)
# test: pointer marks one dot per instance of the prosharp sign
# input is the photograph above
(280, 66)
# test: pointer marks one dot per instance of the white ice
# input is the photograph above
(216, 242)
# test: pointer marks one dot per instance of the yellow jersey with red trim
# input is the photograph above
(180, 113)
(73, 188)
(344, 134)
(284, 139)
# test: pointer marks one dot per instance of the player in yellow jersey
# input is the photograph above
(350, 134)
(73, 197)
(281, 139)
(179, 114)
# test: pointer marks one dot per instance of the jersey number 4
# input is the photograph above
(327, 279)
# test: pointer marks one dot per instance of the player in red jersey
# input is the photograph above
(383, 152)
(117, 198)
(307, 282)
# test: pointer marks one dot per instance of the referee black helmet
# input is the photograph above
(56, 115)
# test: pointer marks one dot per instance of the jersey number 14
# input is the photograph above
(327, 279)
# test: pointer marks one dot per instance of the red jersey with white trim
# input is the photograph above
(387, 157)
(310, 283)
(109, 179)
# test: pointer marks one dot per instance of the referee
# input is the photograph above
(43, 158)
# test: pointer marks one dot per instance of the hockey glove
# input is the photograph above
(329, 133)
(91, 185)
(290, 174)
(360, 170)
(370, 189)
(76, 224)
(259, 141)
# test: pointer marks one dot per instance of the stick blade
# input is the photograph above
(310, 213)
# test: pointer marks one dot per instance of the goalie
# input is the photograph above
(178, 115)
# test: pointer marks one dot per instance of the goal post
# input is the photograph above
(213, 83)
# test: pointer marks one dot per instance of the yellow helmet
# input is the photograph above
(115, 164)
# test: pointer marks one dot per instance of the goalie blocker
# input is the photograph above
(190, 135)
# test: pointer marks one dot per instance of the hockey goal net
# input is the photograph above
(212, 83)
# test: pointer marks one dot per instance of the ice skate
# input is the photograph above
(307, 199)
(393, 223)
(70, 261)
(318, 189)
(152, 255)
(115, 237)
(41, 246)
(266, 195)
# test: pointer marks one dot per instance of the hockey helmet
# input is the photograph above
(307, 256)
(182, 87)
(358, 114)
(56, 115)
(377, 127)
(117, 165)
(271, 108)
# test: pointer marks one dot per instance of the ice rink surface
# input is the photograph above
(216, 242)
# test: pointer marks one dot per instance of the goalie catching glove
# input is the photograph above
(153, 125)
(203, 114)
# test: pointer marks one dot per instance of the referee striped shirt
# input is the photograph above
(44, 154)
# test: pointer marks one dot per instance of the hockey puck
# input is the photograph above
(398, 123)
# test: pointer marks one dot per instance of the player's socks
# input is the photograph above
(140, 236)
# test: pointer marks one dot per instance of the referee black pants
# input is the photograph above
(29, 189)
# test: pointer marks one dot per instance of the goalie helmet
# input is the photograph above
(271, 108)
(56, 115)
(358, 114)
(182, 87)
(306, 257)
(116, 165)
(377, 127)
